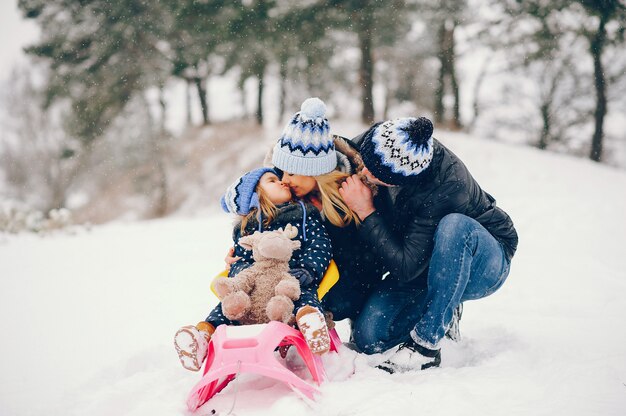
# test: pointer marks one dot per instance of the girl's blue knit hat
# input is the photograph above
(306, 146)
(241, 197)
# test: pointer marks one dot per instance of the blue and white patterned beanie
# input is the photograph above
(306, 146)
(241, 197)
(396, 151)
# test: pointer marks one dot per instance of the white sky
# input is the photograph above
(15, 33)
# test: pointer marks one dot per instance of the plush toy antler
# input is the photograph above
(290, 231)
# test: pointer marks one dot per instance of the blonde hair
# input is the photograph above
(334, 207)
(267, 208)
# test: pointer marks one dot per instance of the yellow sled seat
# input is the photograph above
(331, 276)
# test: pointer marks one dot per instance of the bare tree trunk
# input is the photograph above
(456, 117)
(477, 86)
(68, 170)
(160, 156)
(546, 107)
(162, 201)
(242, 95)
(259, 103)
(439, 108)
(59, 182)
(456, 114)
(202, 94)
(545, 131)
(447, 70)
(163, 106)
(57, 199)
(366, 71)
(596, 47)
(188, 100)
(387, 104)
(283, 91)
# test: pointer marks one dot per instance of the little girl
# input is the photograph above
(264, 203)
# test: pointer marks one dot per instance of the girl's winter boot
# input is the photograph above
(313, 326)
(191, 343)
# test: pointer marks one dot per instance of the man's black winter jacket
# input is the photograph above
(401, 232)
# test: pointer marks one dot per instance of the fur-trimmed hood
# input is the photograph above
(288, 213)
(347, 151)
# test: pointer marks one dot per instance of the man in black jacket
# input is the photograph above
(441, 237)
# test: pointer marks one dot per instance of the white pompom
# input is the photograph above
(313, 108)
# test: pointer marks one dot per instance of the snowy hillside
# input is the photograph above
(87, 320)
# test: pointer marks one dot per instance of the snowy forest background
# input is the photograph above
(135, 115)
(116, 101)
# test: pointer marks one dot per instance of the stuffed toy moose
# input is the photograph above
(265, 291)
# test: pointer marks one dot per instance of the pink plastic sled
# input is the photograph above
(229, 354)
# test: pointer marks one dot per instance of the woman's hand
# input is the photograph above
(357, 196)
(230, 258)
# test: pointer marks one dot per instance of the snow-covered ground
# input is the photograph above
(87, 320)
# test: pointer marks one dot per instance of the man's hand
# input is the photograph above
(357, 196)
(230, 258)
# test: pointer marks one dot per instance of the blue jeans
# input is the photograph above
(467, 263)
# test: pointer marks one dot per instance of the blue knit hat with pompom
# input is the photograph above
(241, 197)
(397, 151)
(306, 146)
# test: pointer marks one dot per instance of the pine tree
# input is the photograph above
(604, 13)
(444, 18)
(303, 49)
(372, 21)
(100, 53)
(196, 31)
(554, 22)
(249, 37)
